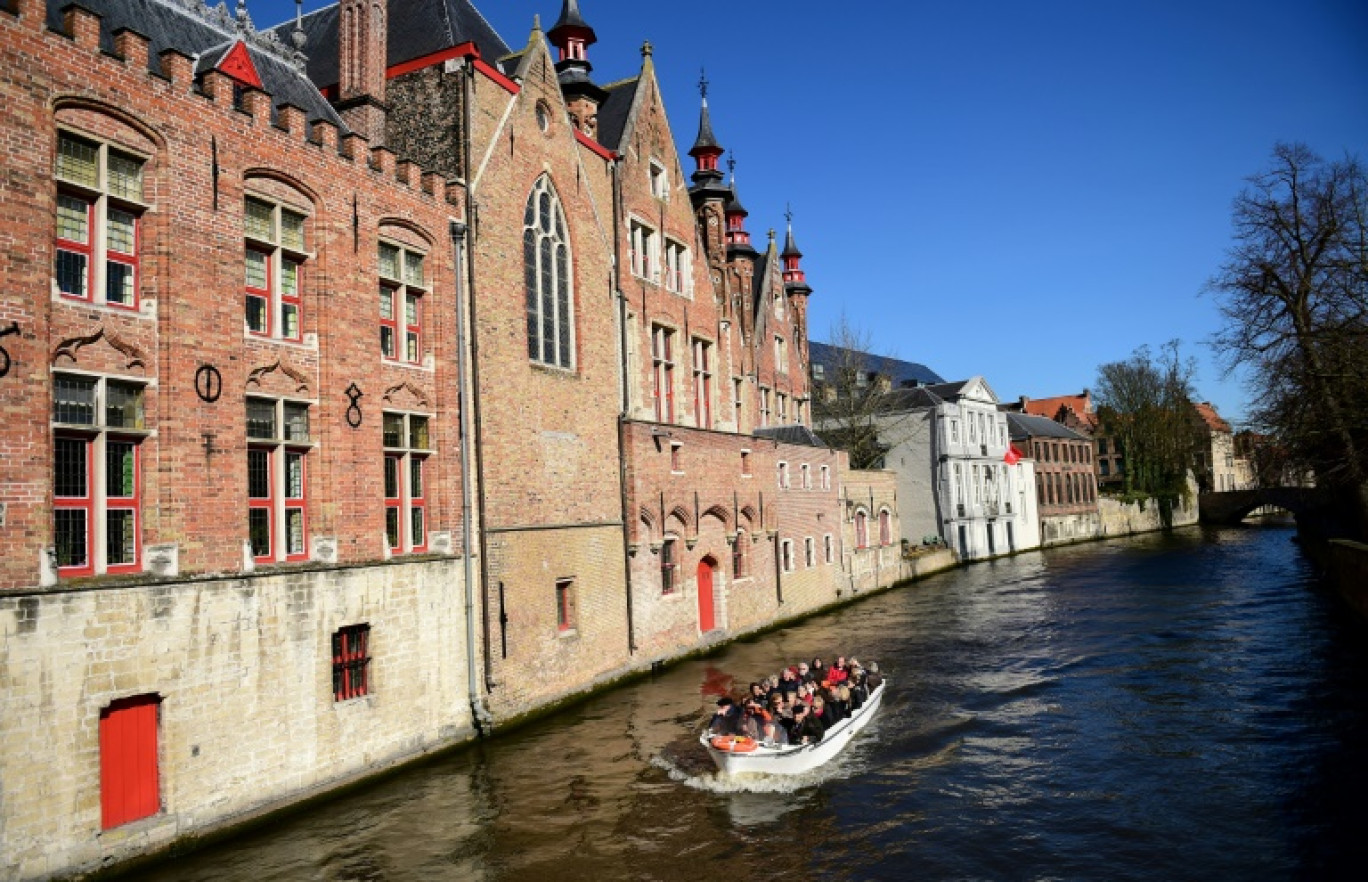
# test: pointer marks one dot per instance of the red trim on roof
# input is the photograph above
(459, 51)
(238, 65)
(595, 146)
(512, 87)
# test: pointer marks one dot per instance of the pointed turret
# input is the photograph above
(795, 280)
(706, 151)
(572, 38)
(738, 239)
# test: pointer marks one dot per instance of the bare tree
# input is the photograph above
(1146, 402)
(1294, 294)
(856, 406)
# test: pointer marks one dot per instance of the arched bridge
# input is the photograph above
(1233, 506)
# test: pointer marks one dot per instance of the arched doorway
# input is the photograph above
(706, 619)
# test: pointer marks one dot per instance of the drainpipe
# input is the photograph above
(626, 406)
(478, 714)
(472, 217)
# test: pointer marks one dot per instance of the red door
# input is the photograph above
(705, 595)
(128, 760)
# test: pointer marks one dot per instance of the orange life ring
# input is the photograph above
(733, 743)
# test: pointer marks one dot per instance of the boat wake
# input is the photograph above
(690, 766)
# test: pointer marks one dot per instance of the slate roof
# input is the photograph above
(416, 28)
(791, 435)
(901, 373)
(614, 111)
(1023, 425)
(172, 24)
(706, 138)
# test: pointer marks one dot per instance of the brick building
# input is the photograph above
(1076, 412)
(283, 454)
(1065, 485)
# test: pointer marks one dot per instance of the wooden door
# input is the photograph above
(706, 619)
(129, 788)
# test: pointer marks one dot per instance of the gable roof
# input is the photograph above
(902, 374)
(1206, 412)
(416, 28)
(1023, 425)
(184, 26)
(960, 388)
(614, 112)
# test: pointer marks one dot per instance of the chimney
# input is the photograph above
(362, 58)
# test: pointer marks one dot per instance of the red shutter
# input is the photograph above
(128, 760)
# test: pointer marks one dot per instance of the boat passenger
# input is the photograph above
(839, 672)
(873, 678)
(774, 735)
(823, 712)
(807, 729)
(804, 675)
(725, 717)
(858, 693)
(817, 671)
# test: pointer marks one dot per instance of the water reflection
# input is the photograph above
(1157, 708)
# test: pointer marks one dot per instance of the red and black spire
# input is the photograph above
(738, 238)
(706, 151)
(795, 280)
(572, 38)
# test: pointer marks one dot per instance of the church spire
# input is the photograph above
(571, 34)
(705, 150)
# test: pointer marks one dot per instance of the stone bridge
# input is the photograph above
(1231, 507)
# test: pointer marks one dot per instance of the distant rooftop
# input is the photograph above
(901, 374)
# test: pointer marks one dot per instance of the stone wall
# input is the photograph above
(1348, 570)
(1122, 518)
(242, 668)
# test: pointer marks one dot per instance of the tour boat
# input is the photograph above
(753, 758)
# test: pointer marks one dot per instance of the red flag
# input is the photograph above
(1013, 455)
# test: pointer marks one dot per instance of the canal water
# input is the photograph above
(1181, 707)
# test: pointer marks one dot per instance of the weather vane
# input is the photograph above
(788, 212)
(703, 82)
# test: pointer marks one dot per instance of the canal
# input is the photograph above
(1182, 707)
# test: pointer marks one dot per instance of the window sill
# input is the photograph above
(567, 633)
(426, 365)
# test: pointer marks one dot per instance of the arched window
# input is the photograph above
(885, 528)
(547, 273)
(861, 529)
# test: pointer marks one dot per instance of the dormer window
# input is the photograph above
(660, 182)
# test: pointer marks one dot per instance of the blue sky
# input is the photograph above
(1018, 190)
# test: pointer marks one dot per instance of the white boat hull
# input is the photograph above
(798, 758)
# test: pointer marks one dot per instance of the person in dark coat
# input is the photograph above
(725, 718)
(807, 729)
(873, 679)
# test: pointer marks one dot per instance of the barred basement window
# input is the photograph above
(407, 446)
(278, 446)
(829, 547)
(274, 260)
(97, 474)
(402, 286)
(99, 210)
(351, 662)
(786, 551)
(547, 278)
(809, 553)
(739, 569)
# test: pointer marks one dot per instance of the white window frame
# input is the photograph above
(403, 288)
(279, 252)
(644, 243)
(100, 202)
(96, 437)
(786, 555)
(411, 496)
(280, 448)
(659, 179)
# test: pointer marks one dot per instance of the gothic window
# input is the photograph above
(546, 270)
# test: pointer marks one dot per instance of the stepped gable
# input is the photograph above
(416, 28)
(193, 28)
(614, 112)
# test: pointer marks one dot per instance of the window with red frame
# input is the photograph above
(407, 445)
(861, 529)
(98, 428)
(278, 448)
(565, 605)
(99, 207)
(662, 361)
(702, 368)
(351, 662)
(403, 284)
(274, 256)
(885, 528)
